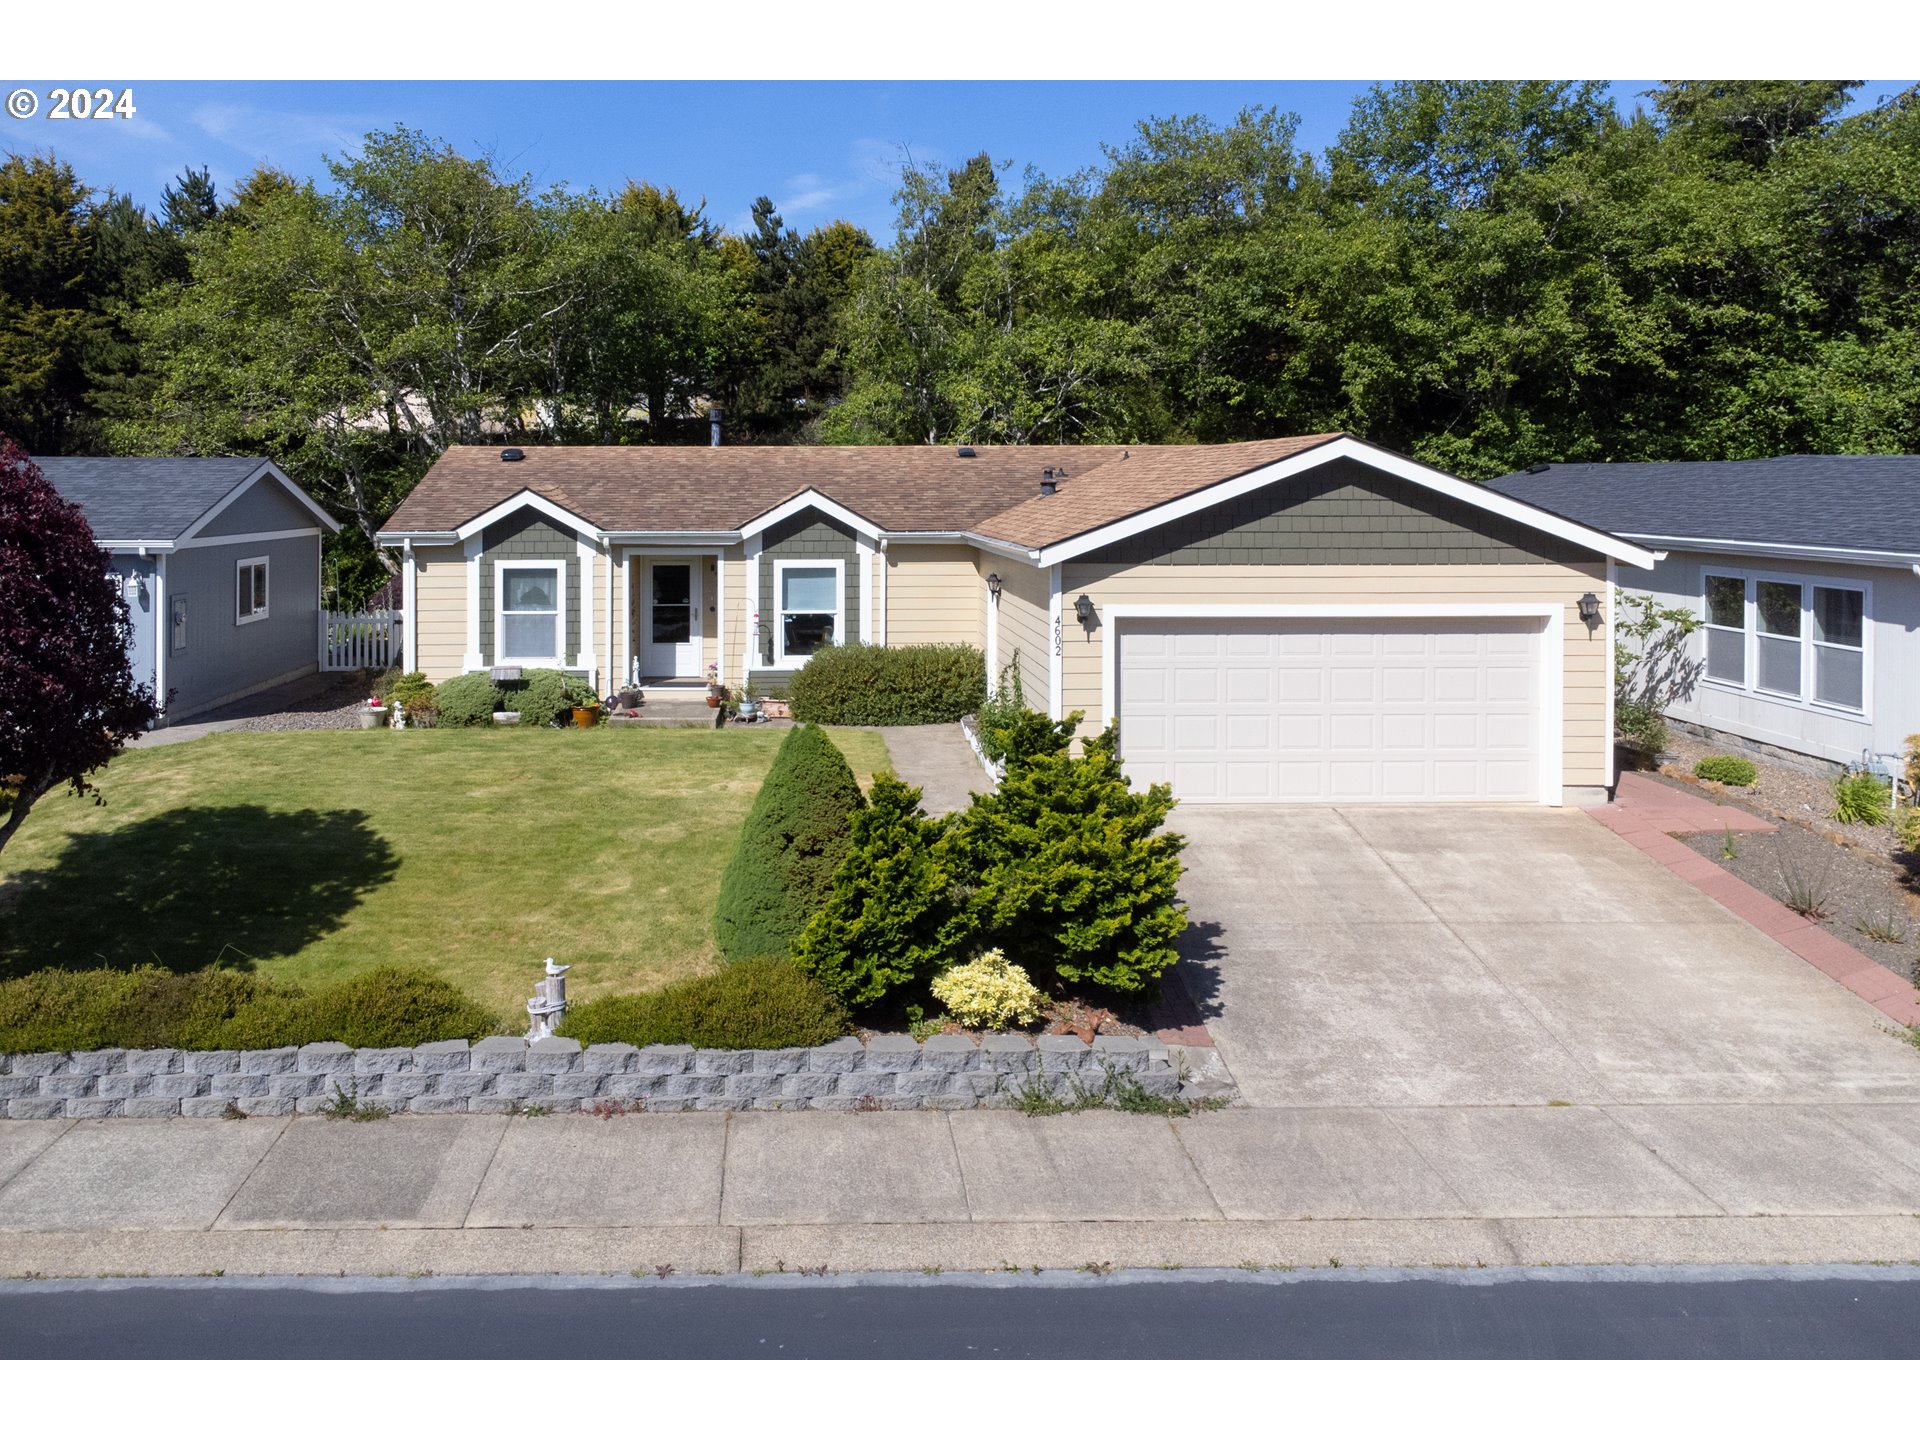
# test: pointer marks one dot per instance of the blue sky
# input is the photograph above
(822, 150)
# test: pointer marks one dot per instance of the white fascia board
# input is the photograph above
(812, 500)
(527, 499)
(257, 537)
(1347, 448)
(267, 470)
(672, 537)
(1893, 559)
(394, 539)
(136, 547)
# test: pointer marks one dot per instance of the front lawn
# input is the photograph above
(312, 855)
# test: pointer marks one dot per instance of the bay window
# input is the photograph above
(529, 617)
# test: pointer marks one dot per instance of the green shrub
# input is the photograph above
(1062, 866)
(149, 1008)
(468, 699)
(795, 836)
(1726, 769)
(412, 691)
(1860, 798)
(1907, 827)
(1639, 726)
(761, 1004)
(881, 685)
(546, 695)
(880, 927)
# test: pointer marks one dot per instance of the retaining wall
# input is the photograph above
(887, 1072)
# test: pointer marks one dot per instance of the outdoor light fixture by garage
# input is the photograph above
(993, 585)
(1083, 609)
(1590, 609)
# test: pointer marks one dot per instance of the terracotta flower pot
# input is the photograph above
(584, 716)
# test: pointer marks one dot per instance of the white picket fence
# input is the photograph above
(359, 640)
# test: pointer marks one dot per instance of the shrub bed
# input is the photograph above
(149, 1008)
(877, 685)
(1726, 769)
(762, 1004)
(543, 696)
(468, 699)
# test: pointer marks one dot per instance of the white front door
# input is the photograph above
(669, 623)
(1333, 711)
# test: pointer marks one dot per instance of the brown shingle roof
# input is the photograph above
(898, 488)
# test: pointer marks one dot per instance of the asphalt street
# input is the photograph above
(1824, 1312)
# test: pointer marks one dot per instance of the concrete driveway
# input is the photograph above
(1431, 957)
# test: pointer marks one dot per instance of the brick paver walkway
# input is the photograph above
(1647, 815)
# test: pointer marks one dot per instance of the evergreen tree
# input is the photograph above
(46, 323)
(1066, 868)
(190, 203)
(795, 837)
(880, 928)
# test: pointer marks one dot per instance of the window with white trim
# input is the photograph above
(1839, 646)
(529, 614)
(250, 590)
(811, 602)
(1787, 637)
(1726, 628)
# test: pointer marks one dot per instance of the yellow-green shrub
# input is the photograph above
(989, 993)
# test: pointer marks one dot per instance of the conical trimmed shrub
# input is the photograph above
(795, 838)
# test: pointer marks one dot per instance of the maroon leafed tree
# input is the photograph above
(68, 700)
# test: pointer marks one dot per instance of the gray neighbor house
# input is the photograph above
(219, 560)
(1805, 573)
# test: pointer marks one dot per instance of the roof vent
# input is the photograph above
(1047, 483)
(1539, 469)
(965, 452)
(512, 455)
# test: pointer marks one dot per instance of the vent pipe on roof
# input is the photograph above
(1047, 483)
(965, 452)
(713, 422)
(512, 455)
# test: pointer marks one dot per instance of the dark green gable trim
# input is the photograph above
(1344, 513)
(528, 535)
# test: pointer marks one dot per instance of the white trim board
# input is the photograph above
(258, 537)
(1888, 559)
(267, 470)
(525, 500)
(811, 499)
(1347, 448)
(1550, 733)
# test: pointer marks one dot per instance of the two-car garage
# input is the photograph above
(1341, 710)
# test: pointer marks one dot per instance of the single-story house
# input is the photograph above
(1301, 619)
(1805, 573)
(219, 560)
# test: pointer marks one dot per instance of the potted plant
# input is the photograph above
(373, 714)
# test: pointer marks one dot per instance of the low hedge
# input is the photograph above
(545, 695)
(468, 699)
(765, 1004)
(149, 1008)
(1726, 769)
(881, 685)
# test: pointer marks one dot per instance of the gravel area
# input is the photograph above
(1781, 791)
(328, 706)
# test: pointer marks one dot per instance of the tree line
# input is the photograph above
(1485, 275)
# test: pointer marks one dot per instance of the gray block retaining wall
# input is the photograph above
(888, 1072)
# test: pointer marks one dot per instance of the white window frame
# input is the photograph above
(242, 567)
(1808, 583)
(177, 633)
(1744, 631)
(781, 660)
(557, 567)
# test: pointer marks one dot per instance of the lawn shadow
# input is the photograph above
(202, 886)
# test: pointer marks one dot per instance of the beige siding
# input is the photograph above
(440, 600)
(1587, 671)
(934, 595)
(1023, 624)
(737, 606)
(602, 641)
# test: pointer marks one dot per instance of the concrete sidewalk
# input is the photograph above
(968, 1190)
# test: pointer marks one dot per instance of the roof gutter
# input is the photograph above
(1890, 559)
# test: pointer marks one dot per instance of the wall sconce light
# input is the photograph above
(1083, 609)
(1590, 609)
(993, 586)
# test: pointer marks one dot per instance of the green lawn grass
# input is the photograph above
(476, 854)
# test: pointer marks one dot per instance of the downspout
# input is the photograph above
(613, 678)
(162, 631)
(882, 626)
(410, 593)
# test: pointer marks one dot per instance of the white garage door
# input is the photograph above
(1335, 711)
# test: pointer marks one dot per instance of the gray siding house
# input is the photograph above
(219, 560)
(1805, 573)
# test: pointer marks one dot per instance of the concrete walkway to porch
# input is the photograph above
(938, 759)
